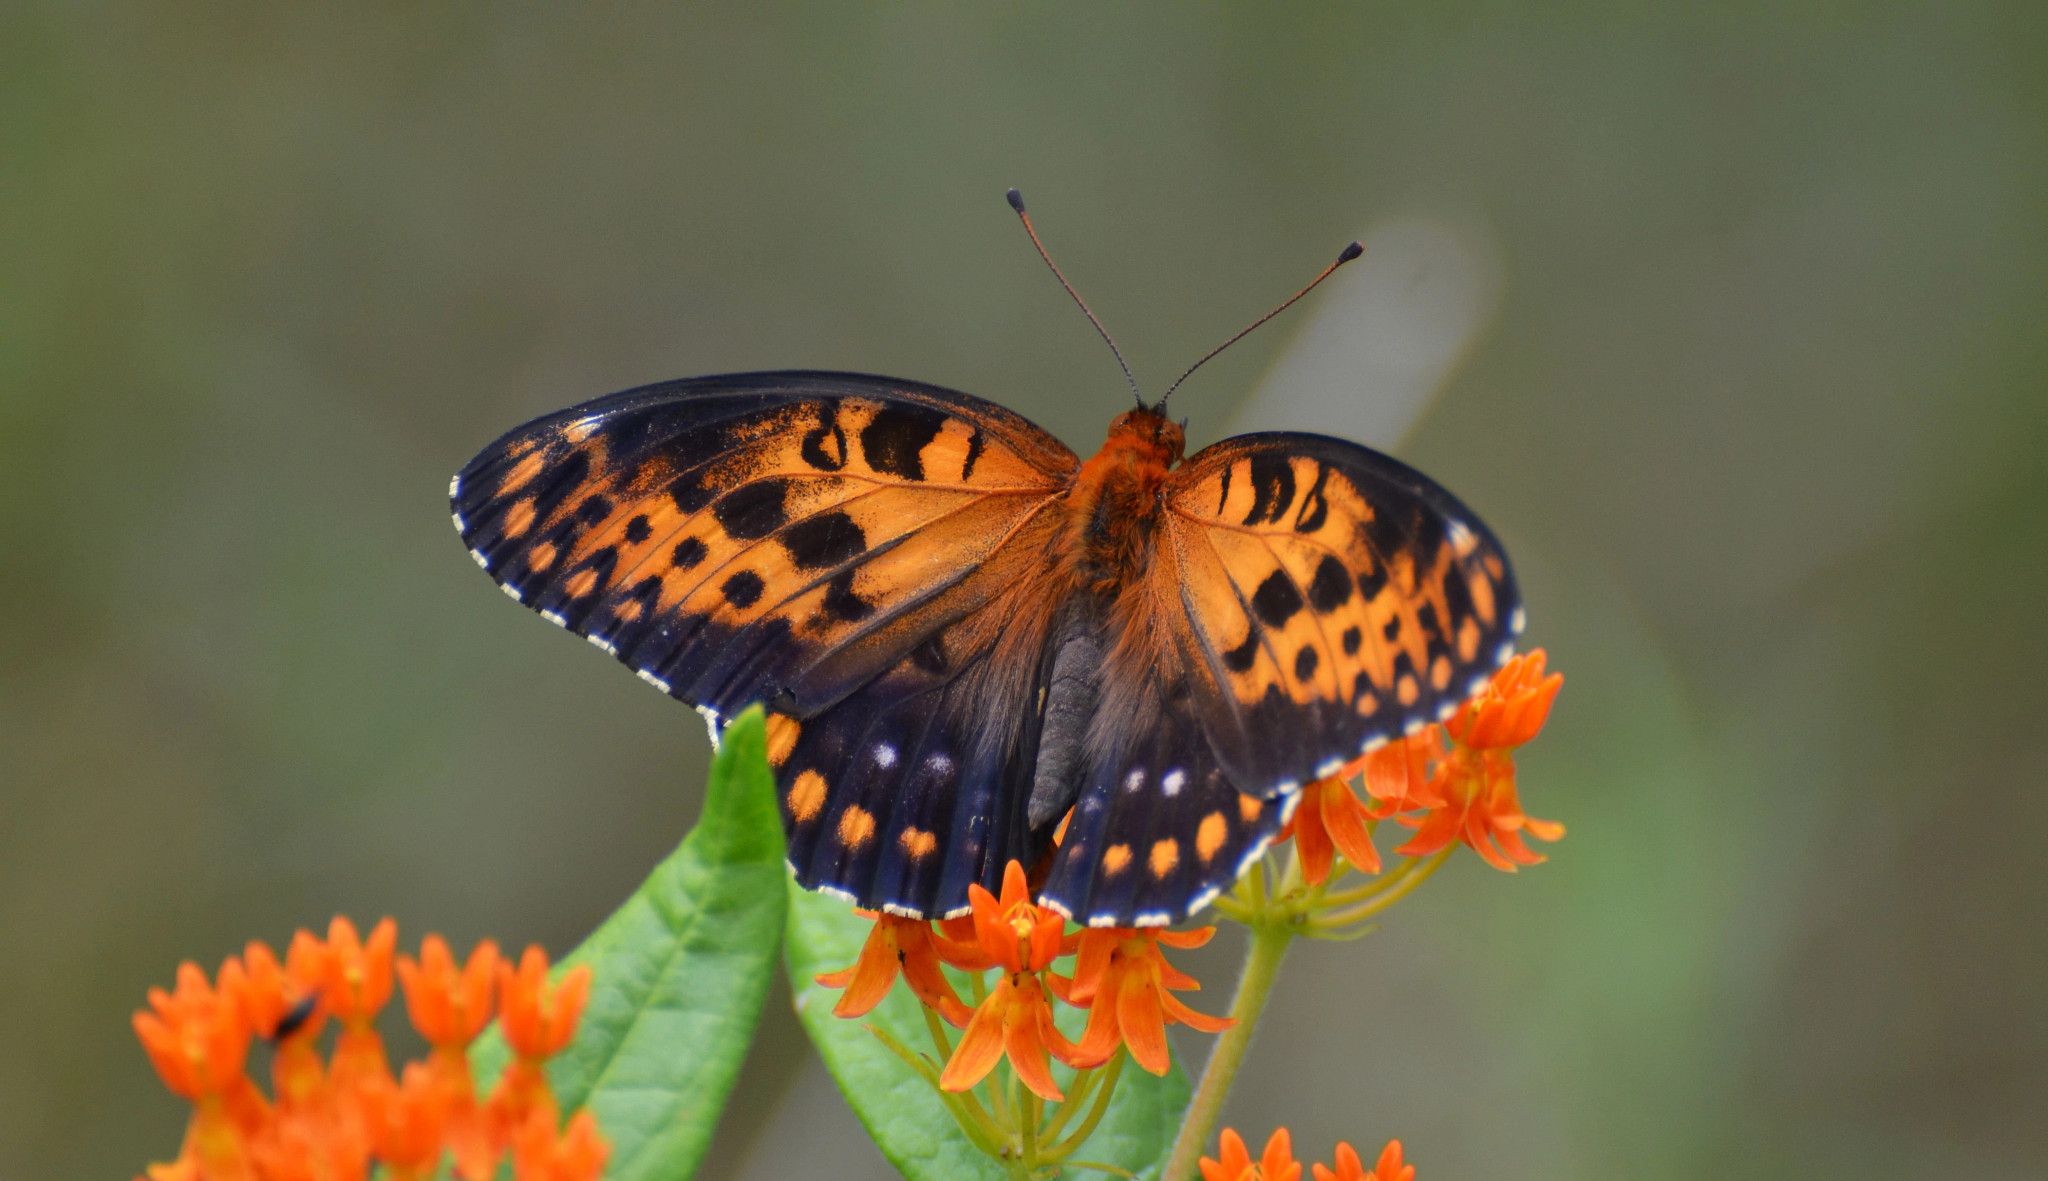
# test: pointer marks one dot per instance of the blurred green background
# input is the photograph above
(1738, 322)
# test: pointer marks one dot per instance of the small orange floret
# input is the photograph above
(897, 944)
(359, 971)
(1511, 709)
(1350, 1168)
(576, 1153)
(196, 1036)
(537, 1020)
(412, 1118)
(1276, 1163)
(1123, 978)
(1017, 936)
(1015, 1019)
(1330, 820)
(449, 1006)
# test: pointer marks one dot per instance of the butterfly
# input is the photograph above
(974, 646)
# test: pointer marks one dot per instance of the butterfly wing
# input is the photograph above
(781, 537)
(854, 551)
(1328, 598)
(1307, 599)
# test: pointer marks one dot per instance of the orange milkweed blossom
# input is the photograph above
(1331, 820)
(1122, 978)
(577, 1153)
(911, 947)
(1276, 1163)
(537, 1022)
(331, 1121)
(1350, 1168)
(1015, 1019)
(1471, 795)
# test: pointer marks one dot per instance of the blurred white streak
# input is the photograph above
(1390, 329)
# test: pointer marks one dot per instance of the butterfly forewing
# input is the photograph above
(742, 538)
(1331, 597)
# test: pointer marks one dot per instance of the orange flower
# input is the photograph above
(1277, 1163)
(1471, 796)
(450, 1007)
(1397, 774)
(308, 1148)
(537, 1022)
(1349, 1168)
(197, 1037)
(447, 1006)
(414, 1116)
(909, 945)
(1329, 820)
(1512, 707)
(1016, 1019)
(577, 1154)
(358, 982)
(282, 1003)
(1123, 978)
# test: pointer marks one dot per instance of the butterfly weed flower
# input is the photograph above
(330, 1121)
(537, 1021)
(1122, 978)
(909, 947)
(1350, 1168)
(576, 1153)
(1015, 1019)
(1472, 796)
(1276, 1163)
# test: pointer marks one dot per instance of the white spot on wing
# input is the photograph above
(1506, 653)
(1413, 727)
(480, 559)
(459, 526)
(1477, 687)
(1134, 780)
(711, 727)
(602, 644)
(1173, 781)
(1372, 744)
(1152, 918)
(1204, 898)
(1445, 710)
(908, 912)
(836, 892)
(1054, 904)
(455, 485)
(957, 911)
(554, 618)
(1325, 770)
(885, 755)
(513, 591)
(651, 679)
(1516, 621)
(1102, 920)
(938, 763)
(1288, 803)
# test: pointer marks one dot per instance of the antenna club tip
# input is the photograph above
(1016, 200)
(1349, 252)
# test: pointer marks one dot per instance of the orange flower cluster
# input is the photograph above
(1451, 782)
(1120, 977)
(329, 1121)
(1277, 1162)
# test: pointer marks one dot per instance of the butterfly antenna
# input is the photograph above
(1017, 203)
(1346, 255)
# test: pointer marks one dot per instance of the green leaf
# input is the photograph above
(900, 1109)
(680, 973)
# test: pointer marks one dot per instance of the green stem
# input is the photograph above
(1261, 966)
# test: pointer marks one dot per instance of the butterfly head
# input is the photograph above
(1146, 438)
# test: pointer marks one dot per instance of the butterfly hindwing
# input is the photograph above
(779, 536)
(1330, 598)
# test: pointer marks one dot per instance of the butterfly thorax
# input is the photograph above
(1113, 507)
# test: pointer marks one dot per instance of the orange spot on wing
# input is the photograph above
(1440, 673)
(918, 843)
(782, 733)
(541, 557)
(856, 826)
(1165, 855)
(1115, 858)
(522, 474)
(1211, 835)
(627, 611)
(806, 796)
(1481, 588)
(580, 583)
(1468, 641)
(518, 519)
(1406, 690)
(1249, 807)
